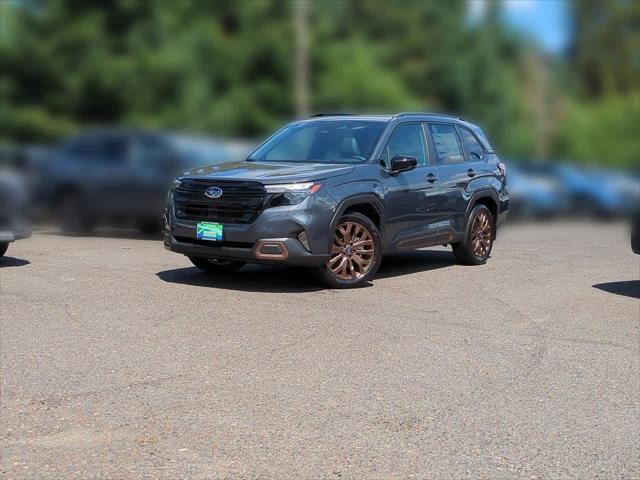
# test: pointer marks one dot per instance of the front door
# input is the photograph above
(410, 197)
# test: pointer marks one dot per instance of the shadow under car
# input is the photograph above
(627, 288)
(276, 279)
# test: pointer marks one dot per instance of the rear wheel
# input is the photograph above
(478, 238)
(356, 252)
(3, 248)
(216, 265)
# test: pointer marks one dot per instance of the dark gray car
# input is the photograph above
(121, 176)
(14, 200)
(337, 192)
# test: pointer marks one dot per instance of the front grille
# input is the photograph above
(241, 202)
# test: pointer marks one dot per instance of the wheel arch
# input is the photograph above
(489, 198)
(367, 204)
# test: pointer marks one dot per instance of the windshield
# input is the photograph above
(322, 141)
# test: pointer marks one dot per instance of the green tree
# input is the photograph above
(606, 46)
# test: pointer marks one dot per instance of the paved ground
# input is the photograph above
(120, 360)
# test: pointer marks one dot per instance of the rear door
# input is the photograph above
(410, 197)
(454, 176)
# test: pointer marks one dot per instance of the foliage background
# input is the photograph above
(225, 68)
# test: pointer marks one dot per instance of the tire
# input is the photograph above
(3, 248)
(481, 227)
(216, 265)
(74, 215)
(357, 265)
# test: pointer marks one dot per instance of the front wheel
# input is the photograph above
(478, 238)
(216, 265)
(3, 248)
(356, 252)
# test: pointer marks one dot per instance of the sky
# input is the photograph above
(545, 21)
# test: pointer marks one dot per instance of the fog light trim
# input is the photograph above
(271, 250)
(304, 240)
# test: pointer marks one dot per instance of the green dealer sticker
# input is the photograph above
(209, 231)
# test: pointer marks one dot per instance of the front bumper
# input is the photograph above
(503, 209)
(291, 251)
(271, 239)
(11, 234)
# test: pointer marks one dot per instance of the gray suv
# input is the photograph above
(14, 198)
(336, 192)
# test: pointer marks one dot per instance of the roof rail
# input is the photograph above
(330, 115)
(406, 114)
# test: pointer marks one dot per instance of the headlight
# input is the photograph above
(292, 193)
(308, 187)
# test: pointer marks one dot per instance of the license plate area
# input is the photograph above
(209, 231)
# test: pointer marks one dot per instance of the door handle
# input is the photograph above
(431, 178)
(471, 172)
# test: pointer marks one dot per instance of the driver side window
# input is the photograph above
(406, 140)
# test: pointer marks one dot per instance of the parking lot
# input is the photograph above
(121, 360)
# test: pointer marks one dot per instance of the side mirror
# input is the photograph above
(402, 163)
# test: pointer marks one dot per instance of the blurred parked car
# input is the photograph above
(14, 199)
(534, 195)
(122, 176)
(592, 192)
(635, 231)
(622, 189)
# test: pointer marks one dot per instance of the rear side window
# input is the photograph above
(476, 152)
(483, 138)
(447, 143)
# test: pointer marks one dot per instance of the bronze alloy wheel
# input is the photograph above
(481, 235)
(352, 252)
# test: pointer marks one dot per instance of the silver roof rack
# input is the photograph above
(430, 114)
(330, 115)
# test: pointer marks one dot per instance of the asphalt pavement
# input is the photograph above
(119, 359)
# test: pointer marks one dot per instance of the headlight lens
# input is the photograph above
(307, 187)
(292, 193)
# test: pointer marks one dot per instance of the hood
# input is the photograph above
(269, 172)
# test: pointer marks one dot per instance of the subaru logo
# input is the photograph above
(213, 192)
